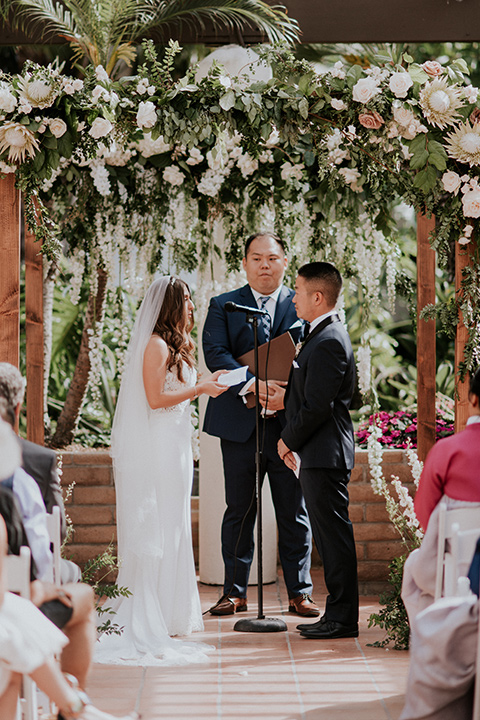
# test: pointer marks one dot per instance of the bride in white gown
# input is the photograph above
(153, 468)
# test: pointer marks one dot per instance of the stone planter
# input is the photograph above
(92, 511)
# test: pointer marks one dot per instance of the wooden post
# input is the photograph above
(9, 271)
(464, 256)
(34, 336)
(426, 339)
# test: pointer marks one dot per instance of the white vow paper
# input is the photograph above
(233, 377)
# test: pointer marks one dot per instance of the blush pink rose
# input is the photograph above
(471, 203)
(432, 68)
(371, 120)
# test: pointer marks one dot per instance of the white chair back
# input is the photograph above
(54, 531)
(467, 518)
(18, 581)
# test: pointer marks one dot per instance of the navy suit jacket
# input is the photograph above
(317, 401)
(226, 336)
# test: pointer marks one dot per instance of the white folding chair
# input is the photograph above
(467, 518)
(53, 526)
(18, 581)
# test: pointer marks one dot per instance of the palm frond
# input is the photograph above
(47, 16)
(153, 17)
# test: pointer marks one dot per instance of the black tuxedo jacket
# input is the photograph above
(226, 336)
(317, 401)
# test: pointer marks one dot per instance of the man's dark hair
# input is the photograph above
(475, 383)
(323, 276)
(253, 237)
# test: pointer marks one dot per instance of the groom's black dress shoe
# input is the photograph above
(311, 626)
(330, 630)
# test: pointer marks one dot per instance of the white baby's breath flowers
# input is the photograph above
(149, 147)
(375, 455)
(364, 367)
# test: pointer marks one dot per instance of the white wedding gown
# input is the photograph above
(155, 546)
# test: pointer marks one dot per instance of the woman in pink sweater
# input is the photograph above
(452, 467)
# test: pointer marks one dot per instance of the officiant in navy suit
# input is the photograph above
(319, 430)
(227, 336)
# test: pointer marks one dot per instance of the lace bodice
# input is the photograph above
(173, 383)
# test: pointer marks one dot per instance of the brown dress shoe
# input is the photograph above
(229, 605)
(303, 605)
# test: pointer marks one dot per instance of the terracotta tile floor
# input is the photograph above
(265, 676)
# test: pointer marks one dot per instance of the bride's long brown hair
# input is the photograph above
(174, 326)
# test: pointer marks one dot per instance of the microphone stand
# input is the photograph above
(261, 623)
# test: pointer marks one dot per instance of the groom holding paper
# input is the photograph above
(226, 337)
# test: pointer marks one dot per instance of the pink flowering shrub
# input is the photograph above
(399, 429)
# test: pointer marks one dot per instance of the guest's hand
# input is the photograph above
(210, 385)
(282, 449)
(41, 592)
(274, 398)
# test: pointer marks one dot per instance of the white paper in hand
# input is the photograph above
(233, 377)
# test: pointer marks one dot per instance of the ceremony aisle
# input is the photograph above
(271, 676)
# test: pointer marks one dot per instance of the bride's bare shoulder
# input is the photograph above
(157, 349)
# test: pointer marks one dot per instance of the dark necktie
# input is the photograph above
(306, 331)
(266, 320)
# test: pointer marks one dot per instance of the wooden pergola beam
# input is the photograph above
(9, 271)
(34, 337)
(426, 338)
(464, 256)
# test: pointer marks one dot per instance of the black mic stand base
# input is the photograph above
(260, 625)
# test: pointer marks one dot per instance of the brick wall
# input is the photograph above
(92, 511)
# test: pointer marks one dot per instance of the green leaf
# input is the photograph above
(227, 101)
(461, 65)
(303, 108)
(407, 58)
(417, 73)
(353, 75)
(426, 179)
(65, 145)
(440, 161)
(38, 161)
(418, 143)
(419, 160)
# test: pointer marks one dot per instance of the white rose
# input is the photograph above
(247, 165)
(403, 116)
(365, 89)
(292, 171)
(58, 127)
(141, 88)
(350, 175)
(100, 127)
(77, 85)
(471, 203)
(8, 101)
(146, 114)
(68, 89)
(451, 182)
(463, 240)
(101, 74)
(399, 84)
(467, 230)
(96, 92)
(338, 104)
(338, 70)
(173, 175)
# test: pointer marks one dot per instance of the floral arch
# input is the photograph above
(124, 173)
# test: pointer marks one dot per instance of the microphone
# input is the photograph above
(233, 307)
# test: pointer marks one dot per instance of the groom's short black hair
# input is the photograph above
(475, 383)
(253, 237)
(326, 276)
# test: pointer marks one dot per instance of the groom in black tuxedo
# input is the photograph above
(319, 434)
(227, 336)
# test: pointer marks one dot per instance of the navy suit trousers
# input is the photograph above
(294, 533)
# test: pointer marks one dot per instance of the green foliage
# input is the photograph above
(393, 616)
(94, 573)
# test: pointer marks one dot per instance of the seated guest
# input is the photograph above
(28, 489)
(28, 645)
(71, 606)
(38, 461)
(451, 473)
